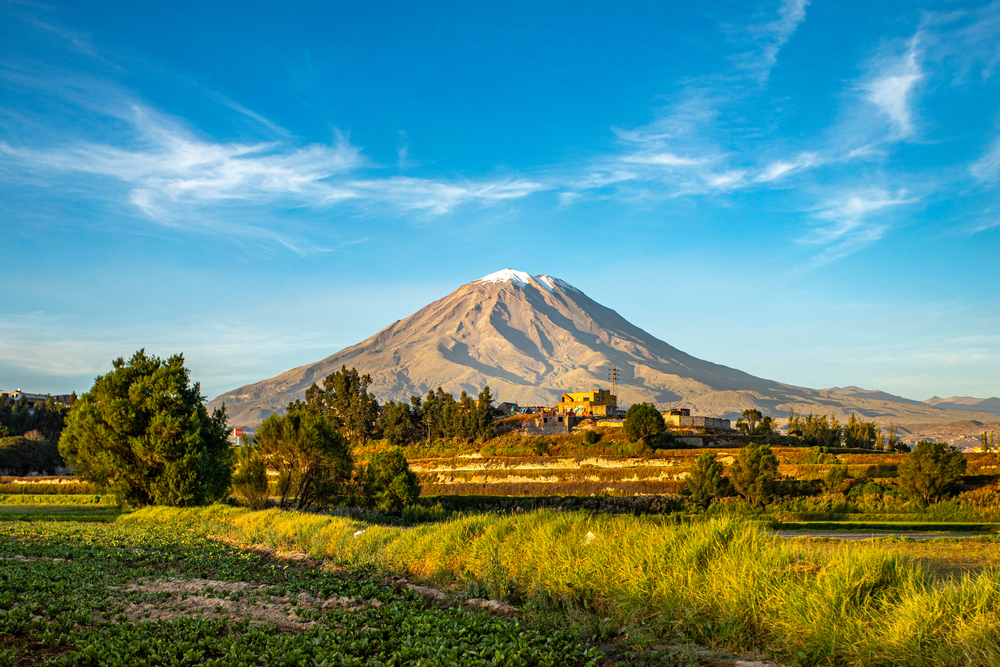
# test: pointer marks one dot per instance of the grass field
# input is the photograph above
(723, 583)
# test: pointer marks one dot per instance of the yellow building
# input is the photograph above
(597, 403)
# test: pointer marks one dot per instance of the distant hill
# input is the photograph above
(530, 338)
(991, 405)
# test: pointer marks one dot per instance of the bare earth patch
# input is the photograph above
(177, 597)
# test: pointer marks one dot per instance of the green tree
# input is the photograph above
(389, 484)
(643, 421)
(989, 441)
(485, 413)
(397, 422)
(313, 461)
(753, 474)
(144, 433)
(927, 472)
(250, 482)
(706, 481)
(345, 402)
(747, 423)
(859, 433)
(835, 477)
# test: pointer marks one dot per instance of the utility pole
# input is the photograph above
(613, 376)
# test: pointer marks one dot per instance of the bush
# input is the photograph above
(753, 474)
(389, 484)
(835, 478)
(312, 460)
(643, 421)
(706, 482)
(592, 437)
(927, 472)
(250, 483)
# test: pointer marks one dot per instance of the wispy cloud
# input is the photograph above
(891, 88)
(170, 172)
(769, 37)
(852, 221)
(987, 168)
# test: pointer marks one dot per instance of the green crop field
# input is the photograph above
(148, 593)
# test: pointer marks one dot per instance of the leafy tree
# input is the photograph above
(643, 421)
(397, 422)
(313, 461)
(928, 471)
(859, 433)
(345, 402)
(591, 437)
(835, 477)
(389, 484)
(18, 418)
(143, 431)
(250, 482)
(753, 474)
(485, 413)
(747, 423)
(706, 481)
(815, 430)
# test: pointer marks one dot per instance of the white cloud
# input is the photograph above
(773, 35)
(891, 89)
(987, 168)
(171, 173)
(851, 221)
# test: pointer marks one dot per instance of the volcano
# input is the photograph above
(531, 338)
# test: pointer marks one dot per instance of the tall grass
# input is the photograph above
(721, 583)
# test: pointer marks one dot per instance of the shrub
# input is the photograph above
(835, 478)
(312, 460)
(706, 482)
(592, 437)
(250, 483)
(642, 421)
(927, 472)
(389, 484)
(753, 474)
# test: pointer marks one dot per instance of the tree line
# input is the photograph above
(44, 421)
(826, 431)
(144, 433)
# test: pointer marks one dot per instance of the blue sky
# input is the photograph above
(807, 191)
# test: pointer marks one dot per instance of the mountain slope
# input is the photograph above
(532, 338)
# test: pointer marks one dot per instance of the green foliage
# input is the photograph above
(399, 423)
(835, 478)
(815, 430)
(540, 447)
(345, 402)
(19, 456)
(820, 455)
(591, 437)
(17, 418)
(250, 483)
(753, 474)
(706, 481)
(144, 433)
(859, 433)
(389, 484)
(313, 461)
(643, 421)
(989, 442)
(751, 422)
(927, 472)
(441, 416)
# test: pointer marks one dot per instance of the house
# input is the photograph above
(507, 408)
(551, 423)
(682, 417)
(594, 403)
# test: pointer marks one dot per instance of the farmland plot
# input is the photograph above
(118, 594)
